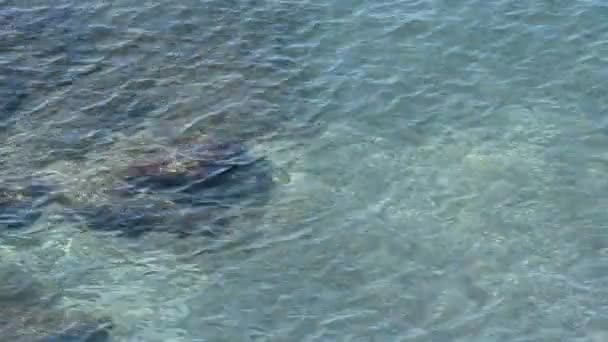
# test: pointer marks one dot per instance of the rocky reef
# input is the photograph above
(197, 186)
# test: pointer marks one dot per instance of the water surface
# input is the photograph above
(446, 168)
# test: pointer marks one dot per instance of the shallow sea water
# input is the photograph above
(444, 167)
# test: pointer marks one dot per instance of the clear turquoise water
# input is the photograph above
(445, 164)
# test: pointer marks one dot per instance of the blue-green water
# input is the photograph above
(444, 164)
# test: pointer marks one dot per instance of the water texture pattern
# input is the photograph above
(444, 165)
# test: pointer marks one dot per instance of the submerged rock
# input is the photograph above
(27, 313)
(198, 187)
(191, 167)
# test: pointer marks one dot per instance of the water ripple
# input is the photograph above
(445, 173)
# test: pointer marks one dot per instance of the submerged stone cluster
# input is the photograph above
(195, 187)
